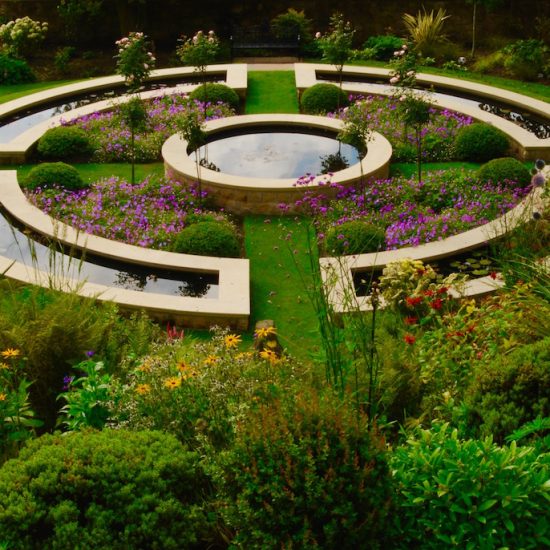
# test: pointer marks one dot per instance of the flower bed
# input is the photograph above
(111, 136)
(443, 204)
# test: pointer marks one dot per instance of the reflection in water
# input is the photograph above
(333, 163)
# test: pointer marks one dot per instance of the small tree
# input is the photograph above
(488, 4)
(135, 63)
(336, 44)
(199, 52)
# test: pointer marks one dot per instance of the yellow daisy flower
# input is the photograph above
(185, 370)
(142, 389)
(243, 356)
(271, 344)
(173, 383)
(210, 360)
(270, 355)
(264, 332)
(3, 396)
(4, 366)
(10, 352)
(145, 366)
(232, 340)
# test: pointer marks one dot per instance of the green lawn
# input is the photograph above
(14, 91)
(271, 92)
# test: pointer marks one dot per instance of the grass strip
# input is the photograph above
(15, 91)
(271, 92)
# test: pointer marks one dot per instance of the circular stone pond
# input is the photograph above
(263, 175)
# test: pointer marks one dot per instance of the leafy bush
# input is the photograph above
(383, 46)
(64, 142)
(14, 71)
(480, 142)
(216, 93)
(21, 36)
(507, 168)
(354, 237)
(208, 239)
(52, 174)
(322, 98)
(63, 57)
(111, 489)
(306, 473)
(525, 59)
(469, 493)
(511, 390)
(292, 24)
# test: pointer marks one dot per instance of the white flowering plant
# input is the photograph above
(134, 59)
(21, 36)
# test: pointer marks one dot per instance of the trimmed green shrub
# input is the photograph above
(215, 92)
(14, 71)
(480, 142)
(64, 142)
(511, 390)
(306, 472)
(113, 489)
(354, 237)
(50, 174)
(525, 59)
(383, 46)
(506, 168)
(208, 238)
(323, 98)
(454, 493)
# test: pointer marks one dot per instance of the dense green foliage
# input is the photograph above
(506, 168)
(322, 98)
(14, 71)
(480, 142)
(214, 92)
(52, 174)
(469, 493)
(511, 390)
(306, 472)
(112, 489)
(64, 143)
(209, 238)
(382, 47)
(354, 237)
(526, 59)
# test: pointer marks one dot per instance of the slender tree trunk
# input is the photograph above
(419, 153)
(133, 154)
(474, 29)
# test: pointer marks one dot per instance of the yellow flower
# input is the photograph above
(142, 389)
(4, 366)
(232, 340)
(264, 332)
(185, 370)
(145, 366)
(270, 355)
(173, 383)
(3, 396)
(243, 356)
(10, 352)
(271, 344)
(210, 360)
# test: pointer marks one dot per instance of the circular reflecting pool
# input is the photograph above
(277, 153)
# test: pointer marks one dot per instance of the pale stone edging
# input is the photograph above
(263, 195)
(337, 273)
(16, 150)
(530, 147)
(232, 308)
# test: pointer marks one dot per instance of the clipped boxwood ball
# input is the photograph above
(51, 174)
(507, 168)
(323, 98)
(480, 142)
(208, 238)
(354, 237)
(216, 93)
(64, 142)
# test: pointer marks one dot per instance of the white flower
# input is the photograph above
(404, 47)
(410, 73)
(394, 80)
(317, 34)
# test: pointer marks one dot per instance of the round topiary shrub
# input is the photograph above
(215, 93)
(208, 238)
(354, 237)
(323, 98)
(306, 472)
(14, 71)
(64, 142)
(51, 174)
(110, 489)
(506, 168)
(480, 142)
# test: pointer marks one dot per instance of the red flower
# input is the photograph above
(436, 304)
(442, 290)
(493, 275)
(409, 339)
(413, 301)
(411, 320)
(428, 293)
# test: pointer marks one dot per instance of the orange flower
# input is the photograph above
(173, 383)
(142, 389)
(10, 352)
(3, 396)
(409, 339)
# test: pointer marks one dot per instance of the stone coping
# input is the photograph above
(17, 150)
(232, 306)
(529, 145)
(337, 273)
(174, 153)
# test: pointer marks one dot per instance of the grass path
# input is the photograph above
(280, 270)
